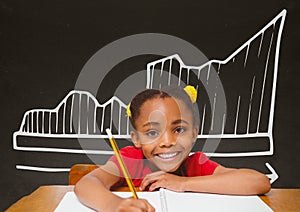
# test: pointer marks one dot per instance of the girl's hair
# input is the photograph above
(176, 92)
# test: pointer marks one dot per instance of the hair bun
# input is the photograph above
(192, 92)
(128, 111)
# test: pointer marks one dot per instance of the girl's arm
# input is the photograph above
(222, 181)
(231, 181)
(93, 191)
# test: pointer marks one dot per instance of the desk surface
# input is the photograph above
(46, 198)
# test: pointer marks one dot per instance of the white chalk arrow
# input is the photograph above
(273, 176)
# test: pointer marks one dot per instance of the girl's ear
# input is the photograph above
(135, 139)
(195, 133)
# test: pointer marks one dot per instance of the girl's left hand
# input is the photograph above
(162, 179)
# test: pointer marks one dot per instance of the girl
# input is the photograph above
(165, 127)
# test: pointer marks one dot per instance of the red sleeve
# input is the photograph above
(131, 157)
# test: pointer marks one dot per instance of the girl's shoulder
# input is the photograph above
(198, 158)
(131, 152)
(197, 155)
(198, 164)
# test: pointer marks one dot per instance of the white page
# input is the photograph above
(178, 202)
(71, 203)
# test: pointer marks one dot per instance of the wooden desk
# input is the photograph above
(47, 198)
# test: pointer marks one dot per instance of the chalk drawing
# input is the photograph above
(78, 116)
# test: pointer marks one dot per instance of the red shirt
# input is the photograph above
(138, 167)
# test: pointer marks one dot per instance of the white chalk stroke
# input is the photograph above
(273, 176)
(249, 78)
(42, 169)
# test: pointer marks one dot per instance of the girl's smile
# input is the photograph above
(168, 155)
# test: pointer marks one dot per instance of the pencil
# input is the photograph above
(121, 162)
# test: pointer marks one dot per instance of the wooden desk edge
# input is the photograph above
(41, 198)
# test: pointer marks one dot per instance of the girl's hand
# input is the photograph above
(162, 179)
(131, 204)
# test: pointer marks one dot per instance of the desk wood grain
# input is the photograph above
(47, 198)
(283, 199)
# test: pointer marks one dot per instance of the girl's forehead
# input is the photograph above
(159, 102)
(167, 106)
(163, 112)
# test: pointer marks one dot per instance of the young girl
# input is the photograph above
(165, 128)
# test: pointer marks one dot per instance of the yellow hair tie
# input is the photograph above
(192, 92)
(128, 111)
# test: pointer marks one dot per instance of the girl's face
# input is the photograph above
(165, 132)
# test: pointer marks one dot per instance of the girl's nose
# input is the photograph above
(167, 140)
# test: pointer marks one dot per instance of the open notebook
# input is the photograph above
(165, 200)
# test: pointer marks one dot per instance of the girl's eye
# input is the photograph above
(180, 130)
(152, 133)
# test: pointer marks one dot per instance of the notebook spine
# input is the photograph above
(163, 200)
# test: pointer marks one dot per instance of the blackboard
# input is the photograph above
(48, 48)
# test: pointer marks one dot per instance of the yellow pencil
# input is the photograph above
(121, 162)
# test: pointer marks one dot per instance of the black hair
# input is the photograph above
(176, 92)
